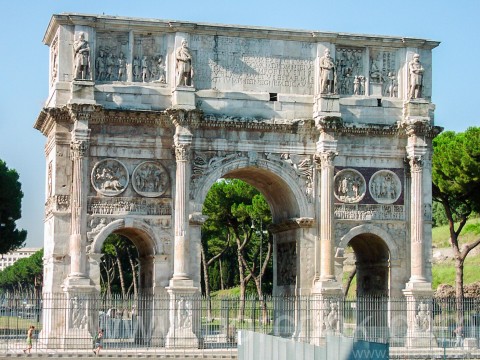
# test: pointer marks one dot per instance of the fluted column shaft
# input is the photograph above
(417, 220)
(182, 181)
(79, 154)
(327, 272)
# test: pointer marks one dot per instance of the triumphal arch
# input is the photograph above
(143, 116)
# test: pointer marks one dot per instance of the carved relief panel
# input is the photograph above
(349, 186)
(149, 62)
(111, 57)
(286, 263)
(383, 73)
(385, 187)
(109, 177)
(350, 71)
(150, 179)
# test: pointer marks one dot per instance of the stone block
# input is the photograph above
(82, 92)
(184, 98)
(470, 343)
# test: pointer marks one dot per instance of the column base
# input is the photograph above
(183, 322)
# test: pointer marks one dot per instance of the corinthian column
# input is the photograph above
(182, 243)
(326, 215)
(79, 153)
(417, 218)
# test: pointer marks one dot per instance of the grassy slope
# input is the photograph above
(444, 273)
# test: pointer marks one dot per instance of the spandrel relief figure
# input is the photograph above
(122, 67)
(100, 66)
(328, 76)
(81, 49)
(415, 70)
(184, 66)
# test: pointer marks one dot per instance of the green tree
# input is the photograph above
(10, 210)
(24, 275)
(232, 207)
(119, 266)
(456, 185)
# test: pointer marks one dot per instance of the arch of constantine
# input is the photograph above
(143, 116)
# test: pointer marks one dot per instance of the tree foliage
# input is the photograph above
(10, 210)
(119, 266)
(236, 211)
(456, 185)
(24, 275)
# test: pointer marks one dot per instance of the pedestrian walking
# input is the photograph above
(29, 339)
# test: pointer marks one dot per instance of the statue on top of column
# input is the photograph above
(184, 65)
(328, 74)
(81, 49)
(415, 72)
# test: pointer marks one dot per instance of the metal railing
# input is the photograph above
(143, 323)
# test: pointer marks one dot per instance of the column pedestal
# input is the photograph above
(183, 97)
(183, 304)
(419, 316)
(81, 320)
(83, 92)
(326, 311)
(326, 106)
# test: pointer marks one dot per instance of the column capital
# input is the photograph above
(79, 148)
(325, 159)
(182, 152)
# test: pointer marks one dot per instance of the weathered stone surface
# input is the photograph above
(165, 109)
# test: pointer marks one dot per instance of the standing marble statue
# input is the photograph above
(415, 70)
(81, 49)
(184, 65)
(328, 75)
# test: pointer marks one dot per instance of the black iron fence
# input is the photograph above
(66, 322)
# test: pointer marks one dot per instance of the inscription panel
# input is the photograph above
(236, 64)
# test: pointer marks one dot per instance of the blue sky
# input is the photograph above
(24, 59)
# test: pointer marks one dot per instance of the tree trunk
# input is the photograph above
(120, 273)
(206, 282)
(459, 262)
(134, 274)
(222, 286)
(349, 281)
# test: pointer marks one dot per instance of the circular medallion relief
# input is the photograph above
(385, 187)
(150, 179)
(349, 186)
(109, 177)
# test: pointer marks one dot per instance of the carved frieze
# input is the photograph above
(150, 179)
(349, 186)
(57, 203)
(286, 263)
(122, 206)
(109, 177)
(385, 187)
(369, 212)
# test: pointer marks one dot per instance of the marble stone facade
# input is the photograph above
(351, 167)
